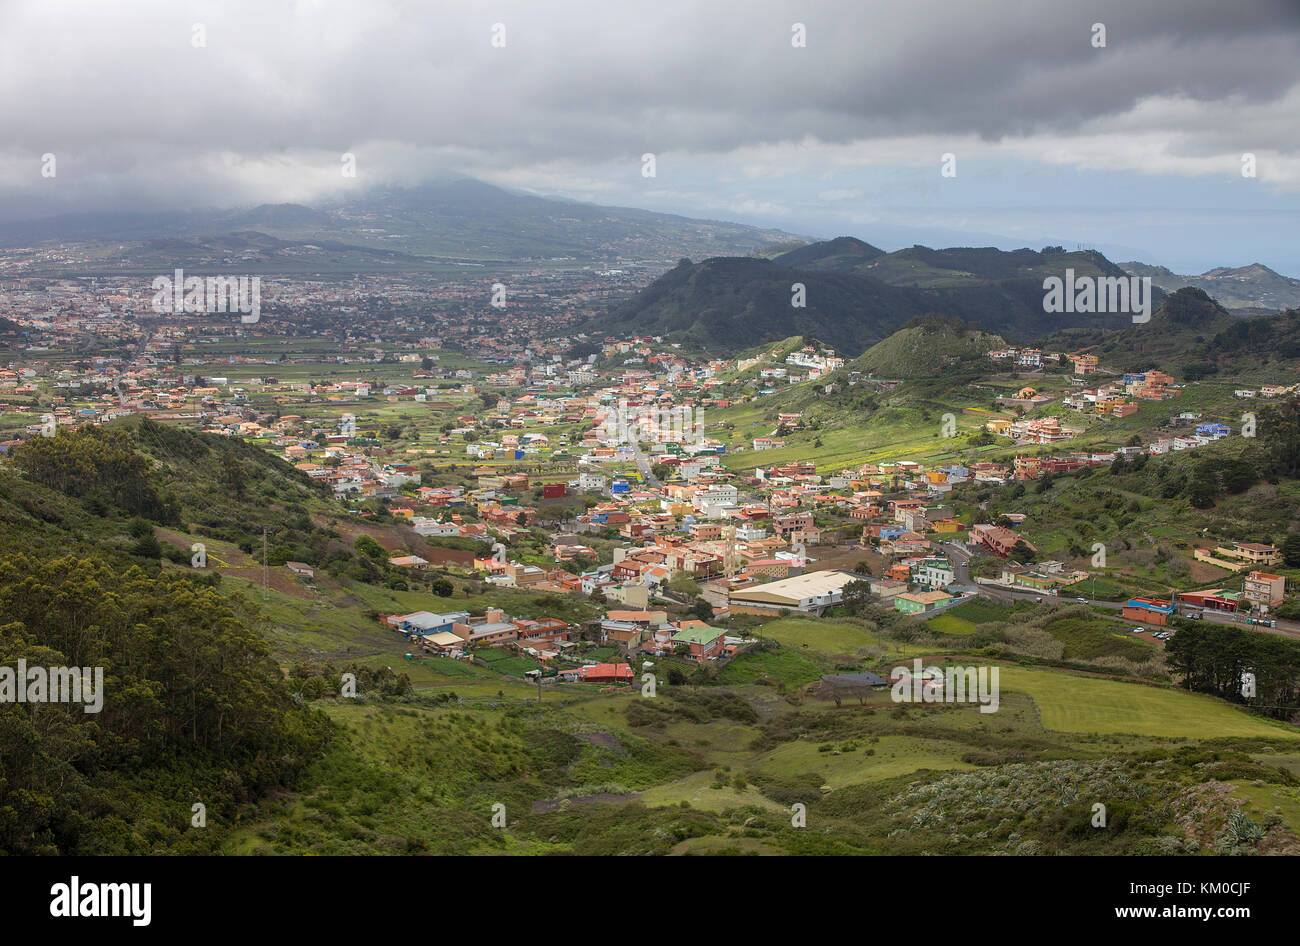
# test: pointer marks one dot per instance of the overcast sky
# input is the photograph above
(1135, 148)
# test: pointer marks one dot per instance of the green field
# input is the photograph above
(820, 634)
(1071, 703)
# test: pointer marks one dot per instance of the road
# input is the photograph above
(1001, 595)
(642, 463)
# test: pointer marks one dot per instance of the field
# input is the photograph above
(715, 768)
(1072, 703)
(820, 634)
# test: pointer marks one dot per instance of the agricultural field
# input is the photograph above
(715, 764)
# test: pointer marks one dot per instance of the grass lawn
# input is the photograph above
(1260, 799)
(821, 634)
(890, 756)
(951, 624)
(697, 788)
(1070, 703)
(787, 666)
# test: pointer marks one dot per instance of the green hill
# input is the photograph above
(924, 268)
(839, 253)
(854, 295)
(927, 347)
(1195, 337)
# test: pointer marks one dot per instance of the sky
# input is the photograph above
(1115, 124)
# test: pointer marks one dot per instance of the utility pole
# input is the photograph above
(265, 567)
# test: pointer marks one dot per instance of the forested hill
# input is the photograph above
(194, 709)
(855, 296)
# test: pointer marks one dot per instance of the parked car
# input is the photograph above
(1081, 600)
(1138, 630)
(1194, 616)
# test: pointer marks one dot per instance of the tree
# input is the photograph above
(441, 587)
(856, 592)
(1022, 552)
(683, 584)
(371, 549)
(1203, 487)
(1291, 550)
(702, 610)
(148, 546)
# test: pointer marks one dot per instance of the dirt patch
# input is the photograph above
(223, 552)
(541, 807)
(278, 577)
(602, 739)
(1203, 573)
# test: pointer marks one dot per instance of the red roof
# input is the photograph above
(607, 671)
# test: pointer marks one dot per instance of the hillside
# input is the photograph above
(841, 253)
(855, 296)
(407, 229)
(1193, 335)
(926, 348)
(732, 303)
(191, 703)
(1245, 288)
(921, 267)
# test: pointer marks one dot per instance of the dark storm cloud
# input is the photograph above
(137, 115)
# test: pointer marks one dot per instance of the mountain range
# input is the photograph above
(396, 229)
(856, 294)
(1245, 289)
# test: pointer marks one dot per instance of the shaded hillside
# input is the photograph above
(921, 267)
(840, 253)
(727, 304)
(1195, 337)
(731, 303)
(191, 704)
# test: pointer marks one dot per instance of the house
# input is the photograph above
(487, 633)
(997, 540)
(443, 642)
(422, 623)
(598, 673)
(523, 576)
(702, 642)
(921, 601)
(300, 569)
(1261, 589)
(812, 592)
(623, 633)
(795, 522)
(409, 561)
(544, 630)
(1255, 553)
(768, 568)
(1214, 599)
(934, 573)
(1147, 610)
